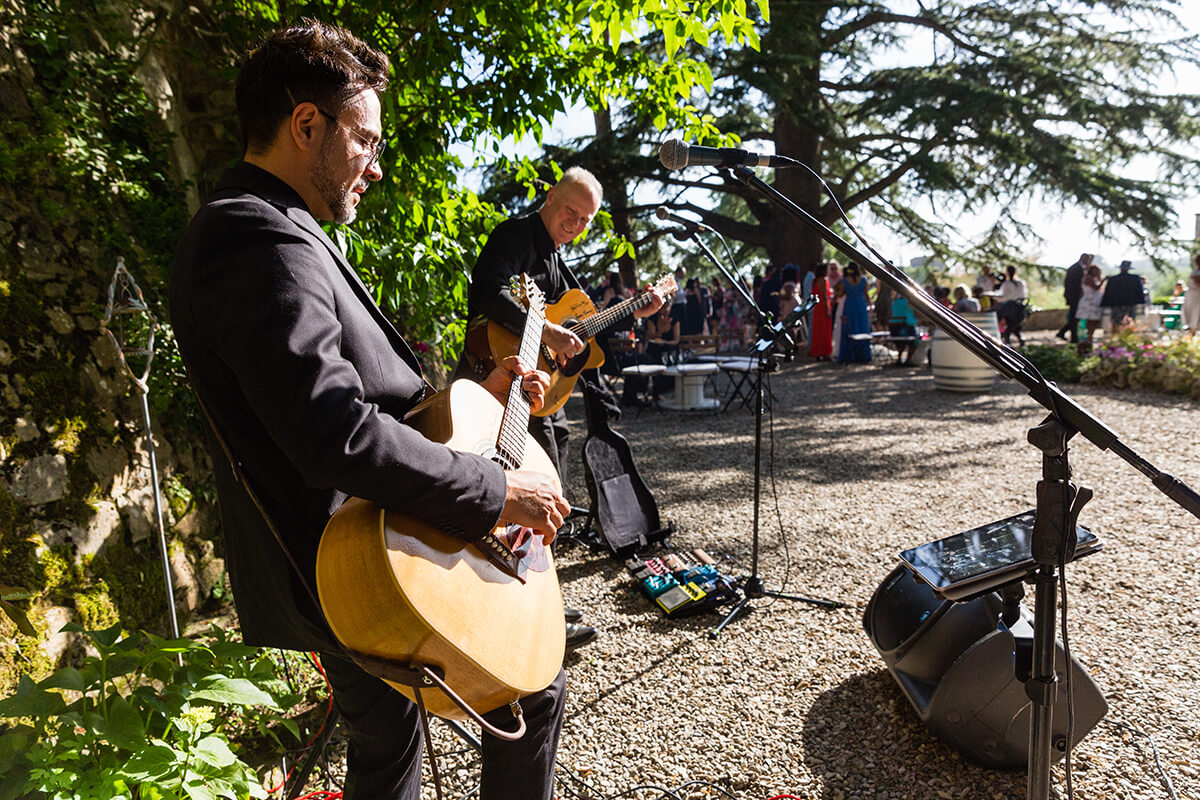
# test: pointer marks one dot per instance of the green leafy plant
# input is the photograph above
(1059, 364)
(9, 593)
(146, 717)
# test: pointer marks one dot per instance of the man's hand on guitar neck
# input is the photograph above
(656, 303)
(532, 500)
(534, 382)
(562, 342)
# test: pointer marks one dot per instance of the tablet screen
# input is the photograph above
(987, 550)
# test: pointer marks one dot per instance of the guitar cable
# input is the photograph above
(300, 751)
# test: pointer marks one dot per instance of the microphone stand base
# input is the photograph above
(751, 587)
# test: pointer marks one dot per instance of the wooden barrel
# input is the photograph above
(955, 369)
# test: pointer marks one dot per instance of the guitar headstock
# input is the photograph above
(665, 286)
(526, 292)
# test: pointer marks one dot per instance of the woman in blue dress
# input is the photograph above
(855, 318)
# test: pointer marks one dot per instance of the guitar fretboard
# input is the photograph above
(510, 444)
(598, 322)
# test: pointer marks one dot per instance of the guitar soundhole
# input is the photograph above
(576, 362)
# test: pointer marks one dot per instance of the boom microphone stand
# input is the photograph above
(766, 350)
(1058, 500)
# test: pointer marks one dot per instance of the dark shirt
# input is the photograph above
(1123, 289)
(517, 245)
(769, 295)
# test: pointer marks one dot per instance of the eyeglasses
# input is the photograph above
(374, 148)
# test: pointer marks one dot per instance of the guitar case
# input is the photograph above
(622, 506)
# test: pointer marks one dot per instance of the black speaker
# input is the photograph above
(963, 670)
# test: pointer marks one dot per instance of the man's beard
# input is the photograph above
(339, 200)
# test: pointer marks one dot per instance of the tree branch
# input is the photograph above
(835, 37)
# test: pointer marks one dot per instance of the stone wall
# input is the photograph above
(78, 526)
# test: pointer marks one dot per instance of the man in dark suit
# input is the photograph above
(1123, 293)
(531, 245)
(307, 384)
(1072, 292)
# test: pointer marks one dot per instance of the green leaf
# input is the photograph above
(65, 678)
(670, 39)
(31, 701)
(214, 750)
(232, 691)
(614, 32)
(200, 790)
(125, 728)
(18, 617)
(154, 762)
(107, 637)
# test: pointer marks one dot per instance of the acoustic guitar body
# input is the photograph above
(396, 588)
(574, 306)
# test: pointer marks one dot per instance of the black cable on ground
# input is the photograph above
(1166, 779)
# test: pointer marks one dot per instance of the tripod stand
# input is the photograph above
(771, 335)
(751, 586)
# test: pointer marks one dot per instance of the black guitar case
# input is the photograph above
(622, 506)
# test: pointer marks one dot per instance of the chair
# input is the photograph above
(646, 373)
(743, 378)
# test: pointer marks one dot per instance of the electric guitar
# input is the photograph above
(576, 312)
(400, 591)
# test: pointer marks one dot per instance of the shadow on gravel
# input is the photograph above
(863, 740)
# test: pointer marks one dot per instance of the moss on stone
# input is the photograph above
(95, 608)
(133, 577)
(19, 564)
(179, 497)
(69, 435)
(10, 516)
(63, 576)
(22, 655)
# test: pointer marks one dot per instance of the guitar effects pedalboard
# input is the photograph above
(681, 587)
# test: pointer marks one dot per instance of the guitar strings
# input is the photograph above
(510, 444)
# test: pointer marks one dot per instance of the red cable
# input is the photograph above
(785, 797)
(328, 795)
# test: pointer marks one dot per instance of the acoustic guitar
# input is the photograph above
(576, 312)
(398, 590)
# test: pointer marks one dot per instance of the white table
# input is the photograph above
(690, 380)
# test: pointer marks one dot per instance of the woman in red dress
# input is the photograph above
(820, 337)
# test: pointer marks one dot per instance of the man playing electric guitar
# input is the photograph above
(531, 245)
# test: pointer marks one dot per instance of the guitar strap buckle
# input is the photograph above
(413, 675)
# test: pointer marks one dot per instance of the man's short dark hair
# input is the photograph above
(307, 62)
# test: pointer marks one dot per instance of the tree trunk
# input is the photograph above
(794, 36)
(618, 199)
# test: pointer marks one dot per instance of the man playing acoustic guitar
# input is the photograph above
(306, 385)
(531, 245)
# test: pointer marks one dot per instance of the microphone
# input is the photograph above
(691, 226)
(677, 154)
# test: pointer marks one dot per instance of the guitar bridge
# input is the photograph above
(506, 560)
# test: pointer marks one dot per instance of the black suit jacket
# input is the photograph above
(1073, 283)
(308, 384)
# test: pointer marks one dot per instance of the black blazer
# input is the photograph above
(308, 383)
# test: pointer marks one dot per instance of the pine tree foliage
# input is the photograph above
(962, 108)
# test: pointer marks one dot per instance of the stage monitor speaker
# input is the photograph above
(963, 670)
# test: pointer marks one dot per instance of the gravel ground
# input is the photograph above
(793, 698)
